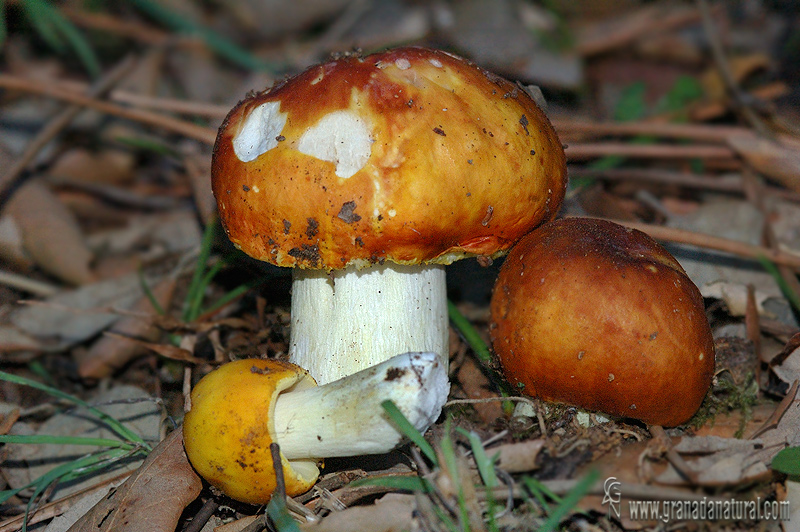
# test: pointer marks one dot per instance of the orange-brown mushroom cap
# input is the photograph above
(411, 155)
(589, 313)
(229, 429)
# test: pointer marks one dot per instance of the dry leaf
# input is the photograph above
(517, 457)
(51, 234)
(13, 339)
(81, 165)
(110, 353)
(165, 350)
(392, 513)
(128, 404)
(12, 249)
(476, 386)
(73, 316)
(786, 365)
(778, 160)
(741, 68)
(170, 232)
(154, 496)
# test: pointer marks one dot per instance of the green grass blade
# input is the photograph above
(469, 333)
(791, 295)
(60, 34)
(3, 25)
(61, 470)
(37, 13)
(44, 439)
(405, 427)
(222, 46)
(233, 294)
(569, 502)
(124, 432)
(451, 463)
(77, 42)
(482, 461)
(197, 289)
(148, 292)
(280, 516)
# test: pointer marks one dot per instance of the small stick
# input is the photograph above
(591, 150)
(182, 127)
(701, 240)
(59, 122)
(735, 92)
(697, 132)
(202, 516)
(775, 417)
(674, 458)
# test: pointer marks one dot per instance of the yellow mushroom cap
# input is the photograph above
(230, 427)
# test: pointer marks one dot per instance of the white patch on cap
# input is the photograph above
(402, 63)
(259, 132)
(341, 137)
(435, 62)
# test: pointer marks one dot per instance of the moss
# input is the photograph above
(726, 395)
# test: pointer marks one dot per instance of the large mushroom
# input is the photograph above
(590, 313)
(368, 175)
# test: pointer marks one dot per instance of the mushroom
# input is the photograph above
(590, 313)
(368, 175)
(242, 407)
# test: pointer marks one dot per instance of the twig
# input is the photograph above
(202, 516)
(643, 22)
(591, 150)
(123, 28)
(59, 122)
(482, 400)
(777, 414)
(752, 326)
(58, 507)
(681, 179)
(696, 132)
(674, 458)
(32, 286)
(735, 92)
(701, 240)
(182, 127)
(134, 99)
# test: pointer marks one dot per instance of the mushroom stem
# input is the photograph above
(350, 319)
(345, 417)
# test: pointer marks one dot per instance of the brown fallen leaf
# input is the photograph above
(110, 353)
(392, 513)
(73, 316)
(518, 457)
(778, 160)
(108, 166)
(152, 499)
(165, 350)
(476, 386)
(50, 233)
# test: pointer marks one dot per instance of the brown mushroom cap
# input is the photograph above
(415, 155)
(592, 314)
